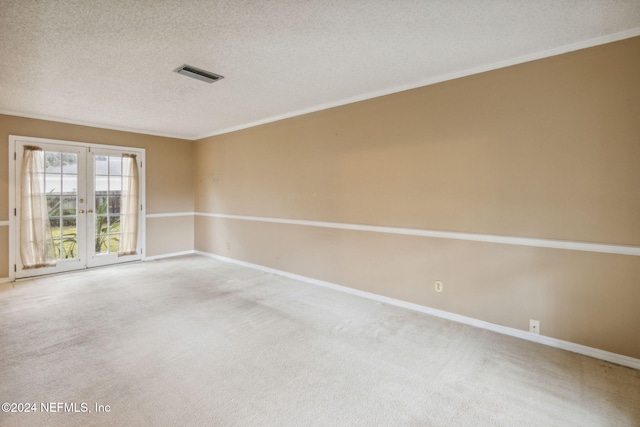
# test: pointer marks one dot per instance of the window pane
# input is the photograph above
(70, 163)
(101, 244)
(69, 184)
(114, 243)
(101, 167)
(102, 183)
(54, 221)
(53, 205)
(115, 184)
(69, 249)
(69, 223)
(69, 238)
(114, 224)
(102, 224)
(115, 165)
(53, 184)
(52, 162)
(101, 204)
(114, 204)
(69, 205)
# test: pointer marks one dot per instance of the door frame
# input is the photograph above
(13, 232)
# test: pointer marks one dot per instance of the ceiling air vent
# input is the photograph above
(198, 73)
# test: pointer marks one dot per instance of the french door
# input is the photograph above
(88, 194)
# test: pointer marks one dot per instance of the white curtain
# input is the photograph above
(129, 206)
(36, 246)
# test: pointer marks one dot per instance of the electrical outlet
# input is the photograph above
(228, 245)
(438, 286)
(534, 326)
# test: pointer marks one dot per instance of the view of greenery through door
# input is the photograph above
(61, 183)
(108, 190)
(61, 178)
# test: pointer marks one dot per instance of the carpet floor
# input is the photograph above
(191, 341)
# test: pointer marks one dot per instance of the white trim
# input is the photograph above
(12, 207)
(94, 125)
(170, 214)
(5, 280)
(505, 330)
(437, 79)
(487, 238)
(170, 255)
(4, 223)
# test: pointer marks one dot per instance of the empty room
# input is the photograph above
(296, 213)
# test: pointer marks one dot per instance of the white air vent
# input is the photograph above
(198, 73)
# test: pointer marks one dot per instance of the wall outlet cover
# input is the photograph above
(534, 326)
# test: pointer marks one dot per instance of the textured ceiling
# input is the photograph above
(110, 63)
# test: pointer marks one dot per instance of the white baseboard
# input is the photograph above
(4, 279)
(173, 254)
(541, 339)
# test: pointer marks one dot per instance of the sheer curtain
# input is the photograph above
(36, 246)
(129, 206)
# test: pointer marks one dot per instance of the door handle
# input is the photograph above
(81, 211)
(90, 211)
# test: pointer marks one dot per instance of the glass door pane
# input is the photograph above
(63, 174)
(107, 171)
(108, 187)
(61, 183)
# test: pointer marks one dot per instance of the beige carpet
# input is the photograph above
(192, 341)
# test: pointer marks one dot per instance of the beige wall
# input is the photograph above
(169, 235)
(547, 149)
(169, 177)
